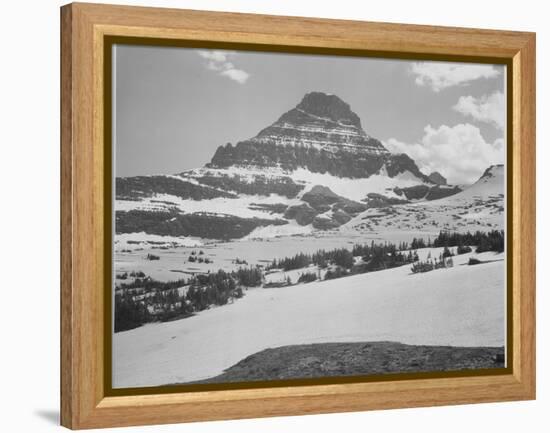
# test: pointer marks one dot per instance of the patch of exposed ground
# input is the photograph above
(357, 359)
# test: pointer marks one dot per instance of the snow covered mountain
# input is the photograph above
(321, 134)
(478, 207)
(315, 168)
(489, 185)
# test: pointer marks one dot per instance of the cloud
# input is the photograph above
(460, 153)
(215, 56)
(488, 108)
(438, 75)
(238, 75)
(219, 61)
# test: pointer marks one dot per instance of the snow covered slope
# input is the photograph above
(461, 306)
(490, 184)
(479, 207)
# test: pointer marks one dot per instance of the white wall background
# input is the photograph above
(29, 215)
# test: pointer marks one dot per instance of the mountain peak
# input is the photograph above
(437, 178)
(321, 134)
(495, 170)
(490, 184)
(329, 106)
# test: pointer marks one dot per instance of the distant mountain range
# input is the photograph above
(315, 168)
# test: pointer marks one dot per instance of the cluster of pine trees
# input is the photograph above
(485, 241)
(129, 313)
(376, 257)
(148, 284)
(212, 289)
(463, 249)
(444, 261)
(300, 260)
(194, 257)
(380, 256)
(147, 300)
(307, 277)
(199, 259)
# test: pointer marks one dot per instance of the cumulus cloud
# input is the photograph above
(460, 153)
(238, 75)
(489, 108)
(439, 75)
(219, 61)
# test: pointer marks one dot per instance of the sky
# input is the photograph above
(174, 106)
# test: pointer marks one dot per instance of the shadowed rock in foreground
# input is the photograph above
(357, 359)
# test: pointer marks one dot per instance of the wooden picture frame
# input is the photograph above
(85, 214)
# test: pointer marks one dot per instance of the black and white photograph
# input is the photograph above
(283, 216)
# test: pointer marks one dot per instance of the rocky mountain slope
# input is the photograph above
(437, 178)
(478, 207)
(315, 168)
(320, 134)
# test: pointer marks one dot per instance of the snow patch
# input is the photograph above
(275, 231)
(356, 189)
(239, 206)
(133, 241)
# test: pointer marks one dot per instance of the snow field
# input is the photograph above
(462, 306)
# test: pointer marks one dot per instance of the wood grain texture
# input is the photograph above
(67, 385)
(83, 400)
(524, 215)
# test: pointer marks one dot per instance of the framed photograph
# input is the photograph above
(265, 215)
